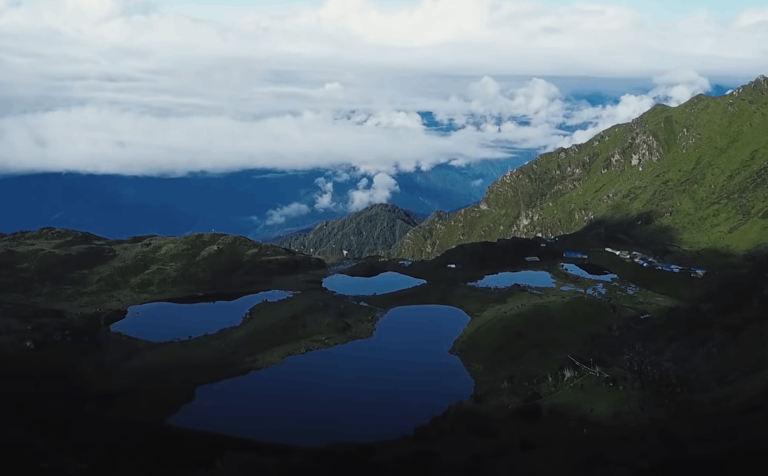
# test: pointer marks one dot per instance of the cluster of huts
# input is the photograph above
(651, 262)
(630, 256)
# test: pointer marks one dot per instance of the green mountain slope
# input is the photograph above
(700, 169)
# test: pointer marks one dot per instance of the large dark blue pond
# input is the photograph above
(164, 321)
(380, 284)
(363, 391)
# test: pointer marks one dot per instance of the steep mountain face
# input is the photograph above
(699, 169)
(371, 231)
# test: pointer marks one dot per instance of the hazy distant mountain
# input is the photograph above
(115, 206)
(371, 231)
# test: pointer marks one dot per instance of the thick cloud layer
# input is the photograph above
(124, 86)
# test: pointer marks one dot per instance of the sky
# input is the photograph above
(655, 9)
(167, 87)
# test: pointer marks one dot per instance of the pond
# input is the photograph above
(541, 279)
(367, 390)
(380, 284)
(165, 321)
(571, 288)
(578, 271)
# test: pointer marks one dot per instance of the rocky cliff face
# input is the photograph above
(700, 168)
(371, 231)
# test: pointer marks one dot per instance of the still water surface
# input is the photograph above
(380, 284)
(541, 279)
(363, 391)
(165, 321)
(577, 271)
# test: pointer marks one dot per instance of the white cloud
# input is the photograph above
(477, 183)
(672, 89)
(324, 199)
(126, 86)
(101, 140)
(530, 137)
(380, 191)
(679, 86)
(394, 120)
(324, 202)
(536, 101)
(752, 18)
(341, 176)
(282, 214)
(484, 93)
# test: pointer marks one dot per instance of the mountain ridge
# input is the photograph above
(700, 168)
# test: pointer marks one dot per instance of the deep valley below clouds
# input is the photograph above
(317, 109)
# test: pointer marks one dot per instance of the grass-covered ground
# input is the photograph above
(564, 381)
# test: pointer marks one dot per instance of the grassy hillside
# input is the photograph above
(699, 169)
(58, 265)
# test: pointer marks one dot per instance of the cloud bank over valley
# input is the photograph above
(135, 87)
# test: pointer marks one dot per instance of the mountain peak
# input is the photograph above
(380, 206)
(371, 231)
(760, 81)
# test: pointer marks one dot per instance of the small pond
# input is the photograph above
(367, 390)
(578, 271)
(165, 321)
(571, 288)
(541, 279)
(380, 284)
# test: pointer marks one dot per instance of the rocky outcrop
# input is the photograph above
(759, 85)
